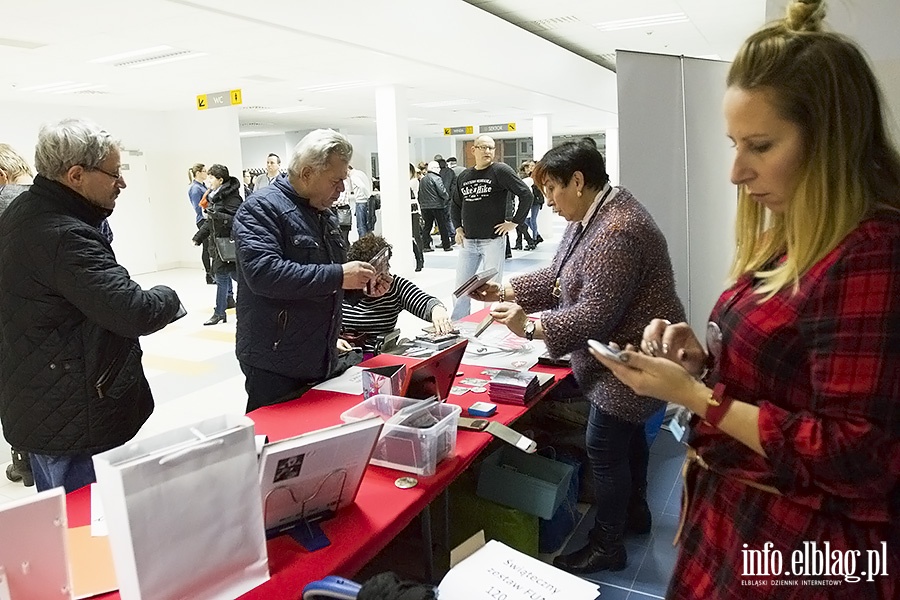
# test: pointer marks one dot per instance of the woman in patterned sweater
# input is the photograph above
(794, 460)
(378, 315)
(611, 272)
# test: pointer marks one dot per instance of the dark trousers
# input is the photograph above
(205, 256)
(417, 240)
(522, 230)
(432, 216)
(68, 472)
(265, 388)
(618, 454)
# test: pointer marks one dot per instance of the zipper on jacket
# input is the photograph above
(282, 326)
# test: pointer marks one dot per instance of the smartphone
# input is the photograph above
(607, 351)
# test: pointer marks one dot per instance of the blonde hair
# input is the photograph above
(12, 164)
(822, 82)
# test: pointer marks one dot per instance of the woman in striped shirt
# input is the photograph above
(376, 316)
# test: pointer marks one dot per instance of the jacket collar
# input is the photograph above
(71, 200)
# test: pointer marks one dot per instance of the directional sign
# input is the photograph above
(459, 130)
(219, 99)
(496, 127)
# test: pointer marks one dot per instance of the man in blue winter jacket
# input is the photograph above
(292, 273)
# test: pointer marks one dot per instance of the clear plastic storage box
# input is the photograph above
(417, 435)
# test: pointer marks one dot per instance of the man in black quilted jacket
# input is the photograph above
(71, 380)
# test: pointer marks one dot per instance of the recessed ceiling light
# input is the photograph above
(333, 87)
(442, 103)
(293, 109)
(152, 62)
(666, 19)
(45, 86)
(132, 54)
(77, 88)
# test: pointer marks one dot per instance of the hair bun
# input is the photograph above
(805, 15)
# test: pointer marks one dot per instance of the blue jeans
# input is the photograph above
(531, 221)
(362, 218)
(485, 254)
(223, 290)
(69, 472)
(618, 454)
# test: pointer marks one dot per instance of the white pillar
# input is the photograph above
(612, 155)
(393, 163)
(542, 135)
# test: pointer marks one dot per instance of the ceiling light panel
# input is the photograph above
(551, 23)
(25, 44)
(444, 103)
(642, 22)
(142, 63)
(152, 51)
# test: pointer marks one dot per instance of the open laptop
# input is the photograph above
(433, 377)
(313, 475)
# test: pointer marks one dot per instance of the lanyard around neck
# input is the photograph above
(557, 284)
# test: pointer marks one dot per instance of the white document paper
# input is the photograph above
(500, 348)
(348, 382)
(498, 571)
(98, 520)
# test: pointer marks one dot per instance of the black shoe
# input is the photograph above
(639, 519)
(538, 240)
(418, 268)
(531, 246)
(20, 469)
(216, 319)
(509, 255)
(210, 280)
(593, 558)
(448, 249)
(517, 247)
(427, 249)
(229, 303)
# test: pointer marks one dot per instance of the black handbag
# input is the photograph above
(344, 215)
(225, 249)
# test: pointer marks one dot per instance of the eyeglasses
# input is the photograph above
(116, 176)
(486, 148)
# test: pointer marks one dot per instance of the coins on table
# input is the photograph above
(406, 482)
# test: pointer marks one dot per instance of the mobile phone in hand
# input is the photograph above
(605, 350)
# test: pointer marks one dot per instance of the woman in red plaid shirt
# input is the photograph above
(791, 483)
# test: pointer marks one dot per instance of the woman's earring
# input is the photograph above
(578, 193)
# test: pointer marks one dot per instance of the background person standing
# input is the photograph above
(478, 210)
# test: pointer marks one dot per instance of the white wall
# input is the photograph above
(170, 141)
(675, 158)
(255, 149)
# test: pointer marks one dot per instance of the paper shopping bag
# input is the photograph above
(184, 514)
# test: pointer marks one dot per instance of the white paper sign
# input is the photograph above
(348, 382)
(497, 571)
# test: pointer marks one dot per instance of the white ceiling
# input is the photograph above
(539, 57)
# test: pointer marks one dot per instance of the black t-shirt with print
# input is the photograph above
(478, 201)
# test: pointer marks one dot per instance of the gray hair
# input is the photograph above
(71, 142)
(316, 148)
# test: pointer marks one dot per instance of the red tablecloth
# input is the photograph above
(381, 510)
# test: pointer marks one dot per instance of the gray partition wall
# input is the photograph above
(676, 159)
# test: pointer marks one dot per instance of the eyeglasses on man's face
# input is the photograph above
(486, 148)
(116, 176)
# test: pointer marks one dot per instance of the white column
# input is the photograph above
(542, 136)
(543, 141)
(393, 162)
(612, 154)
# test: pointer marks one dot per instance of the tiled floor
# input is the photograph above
(194, 374)
(651, 557)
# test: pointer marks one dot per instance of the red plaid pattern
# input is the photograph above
(823, 365)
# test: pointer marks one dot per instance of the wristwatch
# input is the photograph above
(529, 330)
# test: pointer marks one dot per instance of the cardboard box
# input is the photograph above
(529, 482)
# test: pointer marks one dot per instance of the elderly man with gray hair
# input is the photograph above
(71, 379)
(292, 273)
